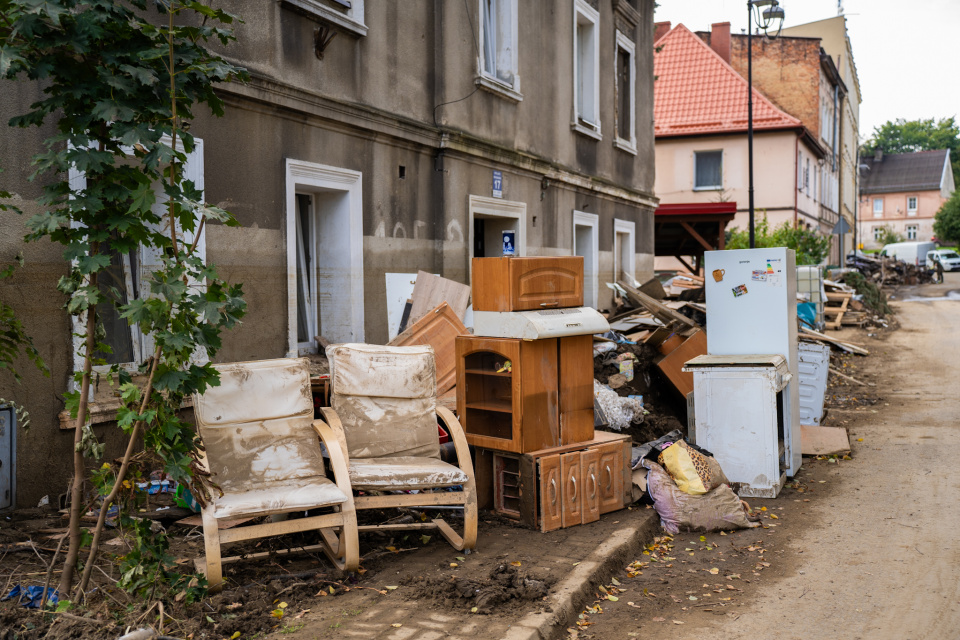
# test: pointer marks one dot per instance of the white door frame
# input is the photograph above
(306, 177)
(591, 271)
(629, 228)
(496, 208)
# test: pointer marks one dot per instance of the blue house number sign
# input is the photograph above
(497, 184)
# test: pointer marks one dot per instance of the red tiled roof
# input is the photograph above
(696, 92)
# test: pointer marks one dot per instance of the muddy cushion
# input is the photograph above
(278, 497)
(386, 399)
(399, 473)
(254, 391)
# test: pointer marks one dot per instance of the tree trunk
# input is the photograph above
(76, 491)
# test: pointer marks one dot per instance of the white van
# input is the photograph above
(910, 252)
(947, 257)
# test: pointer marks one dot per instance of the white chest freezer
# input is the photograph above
(752, 308)
(740, 416)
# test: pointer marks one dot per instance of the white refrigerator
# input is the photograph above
(752, 310)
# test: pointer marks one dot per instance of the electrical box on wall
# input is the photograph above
(8, 452)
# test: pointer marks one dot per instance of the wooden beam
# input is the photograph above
(684, 263)
(722, 236)
(665, 314)
(696, 236)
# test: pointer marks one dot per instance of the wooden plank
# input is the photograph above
(576, 389)
(852, 347)
(571, 494)
(550, 493)
(660, 311)
(430, 291)
(590, 472)
(439, 329)
(696, 236)
(197, 521)
(671, 365)
(653, 288)
(823, 441)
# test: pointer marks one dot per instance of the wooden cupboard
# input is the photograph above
(558, 487)
(545, 399)
(524, 284)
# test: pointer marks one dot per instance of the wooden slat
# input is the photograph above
(431, 291)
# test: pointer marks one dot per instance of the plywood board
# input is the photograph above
(823, 441)
(431, 290)
(672, 364)
(439, 328)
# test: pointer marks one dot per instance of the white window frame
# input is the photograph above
(483, 207)
(877, 232)
(350, 20)
(877, 213)
(591, 271)
(716, 187)
(583, 13)
(916, 201)
(912, 228)
(507, 53)
(626, 144)
(143, 345)
(630, 229)
(347, 301)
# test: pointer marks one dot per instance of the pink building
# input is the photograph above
(902, 192)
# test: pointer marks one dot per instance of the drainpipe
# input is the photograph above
(796, 174)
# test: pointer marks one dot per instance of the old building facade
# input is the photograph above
(407, 142)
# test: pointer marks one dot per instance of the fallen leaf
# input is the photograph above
(714, 571)
(723, 533)
(301, 614)
(615, 581)
(397, 624)
(612, 598)
(658, 619)
(516, 563)
(391, 588)
(703, 538)
(774, 516)
(454, 565)
(676, 622)
(424, 539)
(236, 634)
(763, 508)
(461, 558)
(282, 605)
(473, 610)
(859, 439)
(694, 598)
(331, 590)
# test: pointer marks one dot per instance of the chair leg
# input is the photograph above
(469, 539)
(211, 566)
(343, 550)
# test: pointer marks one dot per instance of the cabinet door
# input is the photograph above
(550, 493)
(611, 477)
(539, 401)
(546, 283)
(590, 472)
(576, 389)
(572, 493)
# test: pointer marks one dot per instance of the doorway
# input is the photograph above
(586, 243)
(624, 252)
(324, 256)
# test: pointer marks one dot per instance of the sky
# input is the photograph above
(904, 51)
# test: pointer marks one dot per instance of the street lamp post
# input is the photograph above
(765, 19)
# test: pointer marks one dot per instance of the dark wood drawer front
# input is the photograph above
(550, 493)
(572, 493)
(590, 473)
(611, 477)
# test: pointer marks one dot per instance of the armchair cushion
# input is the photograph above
(402, 473)
(278, 497)
(258, 390)
(386, 400)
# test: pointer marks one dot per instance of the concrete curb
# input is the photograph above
(573, 592)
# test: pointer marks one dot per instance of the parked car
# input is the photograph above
(911, 252)
(947, 257)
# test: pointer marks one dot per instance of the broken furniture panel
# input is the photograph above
(671, 365)
(439, 328)
(261, 447)
(431, 290)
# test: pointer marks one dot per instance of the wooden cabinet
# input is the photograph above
(545, 400)
(558, 487)
(524, 284)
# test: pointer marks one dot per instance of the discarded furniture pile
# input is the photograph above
(884, 270)
(525, 396)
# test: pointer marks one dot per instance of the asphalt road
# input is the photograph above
(884, 560)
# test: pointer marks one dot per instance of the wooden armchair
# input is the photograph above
(384, 413)
(262, 449)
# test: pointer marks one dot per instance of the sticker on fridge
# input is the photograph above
(739, 290)
(759, 276)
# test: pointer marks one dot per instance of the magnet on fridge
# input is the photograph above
(739, 290)
(718, 274)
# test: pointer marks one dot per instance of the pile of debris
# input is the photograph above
(885, 270)
(857, 304)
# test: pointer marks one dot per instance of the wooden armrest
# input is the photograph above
(455, 429)
(331, 433)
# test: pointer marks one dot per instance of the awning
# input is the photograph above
(689, 229)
